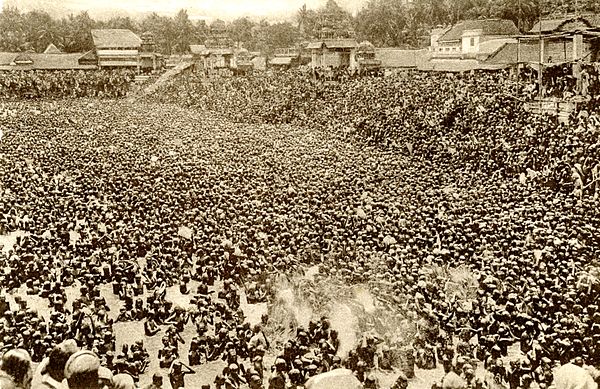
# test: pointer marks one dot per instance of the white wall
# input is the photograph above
(470, 41)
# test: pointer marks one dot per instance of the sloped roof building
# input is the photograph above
(116, 47)
(52, 49)
(43, 61)
(487, 28)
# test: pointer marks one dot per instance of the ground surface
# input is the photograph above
(300, 157)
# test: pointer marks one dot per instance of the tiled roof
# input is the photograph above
(489, 27)
(508, 54)
(89, 57)
(7, 58)
(366, 47)
(198, 49)
(398, 58)
(340, 43)
(220, 51)
(23, 58)
(52, 49)
(115, 38)
(553, 25)
(459, 65)
(593, 19)
(440, 31)
(43, 61)
(315, 45)
(281, 61)
(333, 44)
(491, 46)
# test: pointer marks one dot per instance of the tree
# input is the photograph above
(301, 18)
(76, 32)
(121, 22)
(336, 18)
(311, 23)
(260, 34)
(382, 22)
(335, 13)
(432, 12)
(281, 35)
(12, 34)
(200, 31)
(162, 29)
(240, 31)
(524, 13)
(39, 30)
(182, 32)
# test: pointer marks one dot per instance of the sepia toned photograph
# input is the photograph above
(287, 194)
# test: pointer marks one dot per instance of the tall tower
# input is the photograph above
(148, 43)
(147, 55)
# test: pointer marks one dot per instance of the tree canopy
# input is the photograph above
(382, 22)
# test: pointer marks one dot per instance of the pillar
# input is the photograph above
(541, 69)
(577, 47)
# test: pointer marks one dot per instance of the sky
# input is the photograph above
(197, 9)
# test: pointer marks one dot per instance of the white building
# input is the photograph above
(472, 39)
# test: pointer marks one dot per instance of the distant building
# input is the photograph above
(467, 45)
(435, 35)
(471, 39)
(243, 61)
(335, 46)
(52, 49)
(259, 62)
(365, 57)
(211, 57)
(553, 41)
(395, 59)
(219, 58)
(148, 59)
(117, 48)
(44, 61)
(569, 24)
(217, 51)
(333, 53)
(199, 55)
(121, 48)
(286, 58)
(219, 46)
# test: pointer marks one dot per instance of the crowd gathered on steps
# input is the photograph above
(100, 193)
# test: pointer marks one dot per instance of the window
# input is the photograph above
(472, 42)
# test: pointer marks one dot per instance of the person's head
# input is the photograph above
(176, 366)
(16, 364)
(402, 381)
(105, 378)
(123, 381)
(255, 382)
(81, 370)
(157, 380)
(58, 358)
(469, 373)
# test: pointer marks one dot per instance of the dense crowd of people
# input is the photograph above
(264, 177)
(48, 84)
(475, 120)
